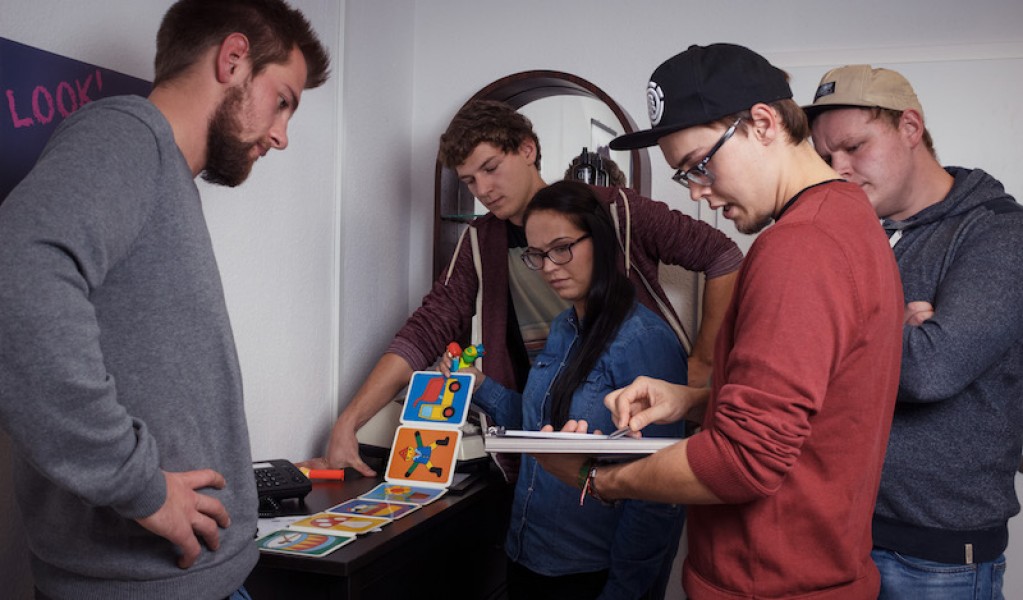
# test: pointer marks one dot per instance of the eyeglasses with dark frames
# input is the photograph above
(559, 255)
(699, 174)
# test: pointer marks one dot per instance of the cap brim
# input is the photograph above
(645, 138)
(814, 110)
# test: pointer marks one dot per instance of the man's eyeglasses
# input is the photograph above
(559, 255)
(699, 174)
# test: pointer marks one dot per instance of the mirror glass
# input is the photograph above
(568, 114)
(566, 125)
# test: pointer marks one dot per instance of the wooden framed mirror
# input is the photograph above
(568, 114)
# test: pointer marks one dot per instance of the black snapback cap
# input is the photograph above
(702, 85)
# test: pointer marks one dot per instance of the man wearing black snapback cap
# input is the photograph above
(788, 462)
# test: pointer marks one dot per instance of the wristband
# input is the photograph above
(589, 483)
(584, 473)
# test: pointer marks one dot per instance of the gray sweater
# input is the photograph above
(949, 472)
(117, 360)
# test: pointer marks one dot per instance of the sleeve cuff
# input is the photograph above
(712, 467)
(410, 353)
(152, 497)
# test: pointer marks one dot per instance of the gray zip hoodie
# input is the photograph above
(947, 489)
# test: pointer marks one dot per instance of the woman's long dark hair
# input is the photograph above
(609, 298)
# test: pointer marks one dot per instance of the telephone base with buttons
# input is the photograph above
(280, 486)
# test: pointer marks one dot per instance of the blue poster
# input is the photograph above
(39, 90)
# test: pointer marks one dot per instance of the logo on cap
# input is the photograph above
(654, 103)
(825, 89)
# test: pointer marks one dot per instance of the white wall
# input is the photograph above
(961, 57)
(276, 238)
(313, 250)
(377, 187)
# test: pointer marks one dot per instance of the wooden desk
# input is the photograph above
(451, 547)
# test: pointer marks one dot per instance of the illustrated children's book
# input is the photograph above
(374, 508)
(397, 492)
(335, 524)
(423, 456)
(426, 443)
(301, 543)
(420, 468)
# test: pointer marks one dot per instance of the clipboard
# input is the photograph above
(499, 439)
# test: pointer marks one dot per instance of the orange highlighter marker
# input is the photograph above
(326, 474)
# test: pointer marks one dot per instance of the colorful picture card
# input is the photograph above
(301, 543)
(423, 456)
(432, 399)
(399, 492)
(374, 508)
(336, 524)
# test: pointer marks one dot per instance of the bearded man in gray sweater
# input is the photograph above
(119, 380)
(947, 489)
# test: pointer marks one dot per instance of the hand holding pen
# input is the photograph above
(647, 400)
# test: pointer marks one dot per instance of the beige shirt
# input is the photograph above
(536, 304)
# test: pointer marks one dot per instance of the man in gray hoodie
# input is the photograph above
(947, 489)
(119, 381)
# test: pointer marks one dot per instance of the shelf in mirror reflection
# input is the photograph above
(461, 217)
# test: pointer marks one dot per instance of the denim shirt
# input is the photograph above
(549, 532)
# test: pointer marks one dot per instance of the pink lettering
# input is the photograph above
(83, 89)
(18, 121)
(36, 93)
(68, 101)
(70, 93)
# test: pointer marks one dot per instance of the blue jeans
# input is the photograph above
(908, 578)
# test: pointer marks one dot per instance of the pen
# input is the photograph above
(620, 432)
(332, 474)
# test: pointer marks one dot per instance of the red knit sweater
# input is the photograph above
(806, 371)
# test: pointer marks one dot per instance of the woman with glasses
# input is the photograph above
(557, 548)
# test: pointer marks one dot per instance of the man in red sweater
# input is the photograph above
(786, 467)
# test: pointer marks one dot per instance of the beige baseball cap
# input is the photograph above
(863, 85)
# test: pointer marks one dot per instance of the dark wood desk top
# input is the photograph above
(375, 545)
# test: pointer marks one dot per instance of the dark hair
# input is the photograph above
(485, 121)
(791, 115)
(273, 29)
(610, 297)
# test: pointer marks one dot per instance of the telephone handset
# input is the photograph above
(276, 481)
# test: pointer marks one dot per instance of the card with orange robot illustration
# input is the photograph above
(423, 456)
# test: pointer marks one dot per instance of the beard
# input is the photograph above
(228, 158)
(755, 225)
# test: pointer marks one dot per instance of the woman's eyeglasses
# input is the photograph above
(559, 255)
